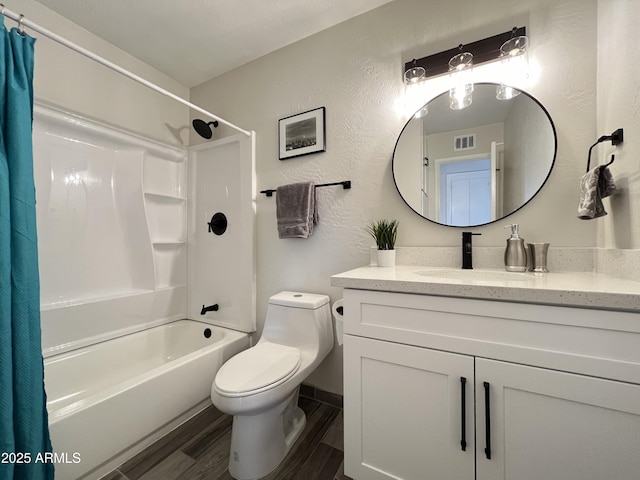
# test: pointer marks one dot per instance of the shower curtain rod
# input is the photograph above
(23, 22)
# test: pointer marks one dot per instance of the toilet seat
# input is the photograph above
(256, 369)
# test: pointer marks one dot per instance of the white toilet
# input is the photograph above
(259, 386)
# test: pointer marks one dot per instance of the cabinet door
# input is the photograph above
(550, 425)
(403, 412)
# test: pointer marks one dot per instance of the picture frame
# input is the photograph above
(302, 134)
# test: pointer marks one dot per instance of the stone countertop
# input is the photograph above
(575, 289)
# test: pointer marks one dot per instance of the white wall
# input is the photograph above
(527, 142)
(69, 80)
(408, 171)
(440, 145)
(619, 107)
(355, 70)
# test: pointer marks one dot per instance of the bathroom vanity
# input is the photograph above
(458, 374)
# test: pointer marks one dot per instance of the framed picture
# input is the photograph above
(302, 134)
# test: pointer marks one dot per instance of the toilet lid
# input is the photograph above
(257, 367)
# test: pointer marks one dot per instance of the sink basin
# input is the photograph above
(474, 275)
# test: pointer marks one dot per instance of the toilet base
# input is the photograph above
(260, 442)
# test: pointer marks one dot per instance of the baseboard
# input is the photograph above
(321, 395)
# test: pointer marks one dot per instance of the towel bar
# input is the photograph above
(346, 185)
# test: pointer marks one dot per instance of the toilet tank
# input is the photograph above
(302, 320)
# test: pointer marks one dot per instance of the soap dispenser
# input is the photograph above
(515, 255)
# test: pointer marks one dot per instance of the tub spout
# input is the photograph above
(210, 308)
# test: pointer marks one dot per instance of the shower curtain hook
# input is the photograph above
(2, 8)
(20, 25)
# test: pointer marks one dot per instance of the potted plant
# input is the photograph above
(385, 233)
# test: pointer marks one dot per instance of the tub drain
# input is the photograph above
(207, 332)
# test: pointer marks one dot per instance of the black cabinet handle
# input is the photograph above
(463, 430)
(487, 419)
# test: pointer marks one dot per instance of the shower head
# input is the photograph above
(203, 128)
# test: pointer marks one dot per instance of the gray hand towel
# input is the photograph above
(296, 210)
(595, 185)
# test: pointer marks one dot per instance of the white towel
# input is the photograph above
(595, 185)
(296, 210)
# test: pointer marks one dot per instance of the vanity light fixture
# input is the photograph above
(414, 78)
(414, 74)
(514, 42)
(515, 65)
(460, 69)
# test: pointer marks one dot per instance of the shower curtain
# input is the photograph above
(24, 431)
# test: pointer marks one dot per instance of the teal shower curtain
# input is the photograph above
(24, 431)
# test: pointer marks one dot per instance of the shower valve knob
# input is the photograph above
(218, 224)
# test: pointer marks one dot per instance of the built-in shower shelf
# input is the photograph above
(167, 218)
(169, 242)
(164, 197)
(171, 287)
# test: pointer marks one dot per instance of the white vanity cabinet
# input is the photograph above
(546, 424)
(563, 386)
(403, 412)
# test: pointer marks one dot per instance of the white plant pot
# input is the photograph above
(386, 258)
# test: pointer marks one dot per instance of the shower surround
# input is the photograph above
(116, 216)
(111, 212)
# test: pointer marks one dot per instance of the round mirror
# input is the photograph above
(474, 166)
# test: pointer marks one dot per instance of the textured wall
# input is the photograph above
(619, 107)
(354, 69)
(78, 84)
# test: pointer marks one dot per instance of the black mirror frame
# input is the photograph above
(553, 161)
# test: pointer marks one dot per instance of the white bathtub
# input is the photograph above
(105, 398)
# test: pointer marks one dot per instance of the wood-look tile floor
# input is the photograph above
(199, 449)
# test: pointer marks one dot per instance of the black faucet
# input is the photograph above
(467, 262)
(210, 308)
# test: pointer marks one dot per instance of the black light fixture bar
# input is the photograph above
(485, 50)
